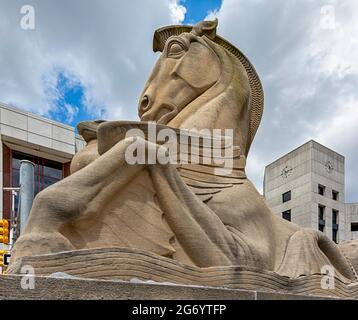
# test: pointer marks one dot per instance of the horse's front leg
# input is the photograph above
(198, 229)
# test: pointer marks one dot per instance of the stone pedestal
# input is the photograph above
(49, 288)
(122, 265)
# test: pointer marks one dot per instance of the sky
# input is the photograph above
(89, 59)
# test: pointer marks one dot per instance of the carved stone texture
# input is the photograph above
(191, 222)
(132, 265)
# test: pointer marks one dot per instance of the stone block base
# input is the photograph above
(120, 266)
(50, 288)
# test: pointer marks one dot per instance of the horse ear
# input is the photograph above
(199, 67)
(206, 28)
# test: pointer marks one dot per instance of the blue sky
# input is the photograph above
(70, 103)
(197, 10)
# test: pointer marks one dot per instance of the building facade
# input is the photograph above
(50, 145)
(352, 212)
(307, 187)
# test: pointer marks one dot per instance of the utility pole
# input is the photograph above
(27, 191)
(9, 232)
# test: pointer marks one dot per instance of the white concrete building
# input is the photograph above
(307, 187)
(49, 144)
(352, 212)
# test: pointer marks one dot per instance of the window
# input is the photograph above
(287, 215)
(321, 221)
(321, 226)
(335, 195)
(321, 210)
(335, 225)
(334, 217)
(354, 226)
(286, 197)
(334, 235)
(47, 172)
(321, 190)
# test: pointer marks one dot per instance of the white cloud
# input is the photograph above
(309, 72)
(71, 112)
(177, 10)
(106, 45)
(340, 133)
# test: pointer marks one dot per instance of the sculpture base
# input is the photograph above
(123, 264)
(47, 288)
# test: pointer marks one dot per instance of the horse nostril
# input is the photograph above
(144, 105)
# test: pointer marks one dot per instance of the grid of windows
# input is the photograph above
(47, 172)
(322, 192)
(335, 213)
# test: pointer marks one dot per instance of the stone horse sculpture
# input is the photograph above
(178, 223)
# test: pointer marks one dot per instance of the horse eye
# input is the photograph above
(175, 50)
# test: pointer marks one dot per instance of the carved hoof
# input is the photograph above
(39, 243)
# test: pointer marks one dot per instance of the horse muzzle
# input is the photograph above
(161, 114)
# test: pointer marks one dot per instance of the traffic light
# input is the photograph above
(4, 258)
(4, 231)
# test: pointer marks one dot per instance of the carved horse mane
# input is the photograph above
(236, 101)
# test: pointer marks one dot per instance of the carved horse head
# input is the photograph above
(202, 81)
